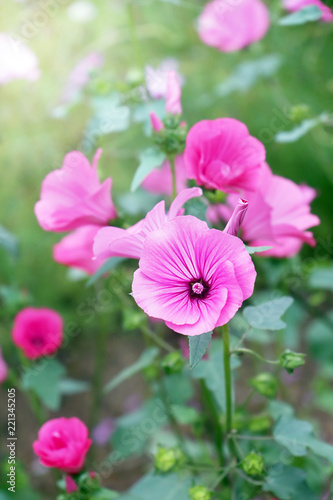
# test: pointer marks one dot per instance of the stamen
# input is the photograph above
(198, 288)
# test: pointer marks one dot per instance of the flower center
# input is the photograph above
(198, 289)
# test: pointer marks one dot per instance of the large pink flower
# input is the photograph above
(278, 215)
(76, 250)
(159, 181)
(192, 277)
(295, 5)
(63, 444)
(231, 26)
(221, 154)
(117, 242)
(38, 332)
(73, 196)
(17, 60)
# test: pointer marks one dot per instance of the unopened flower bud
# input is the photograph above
(173, 94)
(265, 384)
(290, 360)
(253, 464)
(71, 486)
(236, 218)
(199, 493)
(155, 121)
(167, 459)
(173, 362)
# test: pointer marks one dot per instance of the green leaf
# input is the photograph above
(9, 242)
(146, 358)
(322, 279)
(44, 379)
(104, 494)
(109, 264)
(252, 250)
(168, 487)
(197, 207)
(288, 483)
(68, 386)
(185, 414)
(297, 435)
(149, 159)
(277, 409)
(198, 345)
(305, 15)
(267, 316)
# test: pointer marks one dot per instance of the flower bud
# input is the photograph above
(290, 360)
(253, 464)
(173, 94)
(173, 362)
(265, 384)
(155, 121)
(299, 113)
(199, 493)
(71, 486)
(260, 423)
(167, 459)
(236, 218)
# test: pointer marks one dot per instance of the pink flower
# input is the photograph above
(17, 61)
(278, 215)
(71, 486)
(72, 196)
(63, 444)
(237, 218)
(192, 277)
(117, 242)
(231, 26)
(3, 369)
(159, 181)
(156, 122)
(156, 78)
(173, 94)
(295, 5)
(221, 154)
(80, 75)
(38, 332)
(76, 250)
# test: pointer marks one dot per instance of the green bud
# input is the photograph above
(253, 464)
(199, 493)
(167, 459)
(299, 113)
(290, 360)
(215, 196)
(173, 362)
(260, 423)
(265, 384)
(152, 372)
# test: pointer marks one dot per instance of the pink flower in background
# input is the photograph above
(231, 26)
(102, 433)
(156, 122)
(38, 332)
(192, 277)
(80, 75)
(295, 5)
(221, 154)
(63, 444)
(237, 217)
(18, 62)
(156, 78)
(76, 250)
(117, 242)
(71, 486)
(173, 94)
(279, 215)
(159, 181)
(3, 369)
(73, 196)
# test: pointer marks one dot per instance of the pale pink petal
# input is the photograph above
(173, 94)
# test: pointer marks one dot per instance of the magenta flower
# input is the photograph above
(76, 250)
(221, 154)
(192, 277)
(159, 180)
(3, 368)
(117, 242)
(73, 196)
(173, 94)
(63, 444)
(38, 332)
(279, 215)
(18, 62)
(295, 5)
(80, 75)
(231, 26)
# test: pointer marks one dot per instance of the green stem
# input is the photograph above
(174, 180)
(216, 429)
(243, 350)
(97, 389)
(158, 340)
(228, 387)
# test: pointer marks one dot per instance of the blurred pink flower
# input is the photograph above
(80, 75)
(71, 486)
(3, 368)
(63, 444)
(17, 61)
(295, 5)
(231, 26)
(173, 94)
(76, 250)
(156, 78)
(117, 242)
(278, 215)
(73, 196)
(192, 277)
(156, 122)
(38, 332)
(221, 154)
(159, 181)
(103, 431)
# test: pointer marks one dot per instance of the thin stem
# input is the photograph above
(243, 350)
(97, 389)
(158, 340)
(228, 386)
(216, 430)
(174, 180)
(249, 479)
(253, 438)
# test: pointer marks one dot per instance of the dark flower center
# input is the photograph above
(198, 289)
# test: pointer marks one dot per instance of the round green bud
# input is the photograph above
(253, 464)
(199, 493)
(167, 459)
(173, 362)
(299, 113)
(260, 423)
(265, 384)
(290, 360)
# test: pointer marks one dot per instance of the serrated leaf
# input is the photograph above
(197, 207)
(169, 487)
(267, 316)
(149, 159)
(146, 358)
(252, 250)
(185, 414)
(307, 14)
(288, 483)
(198, 345)
(109, 264)
(44, 380)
